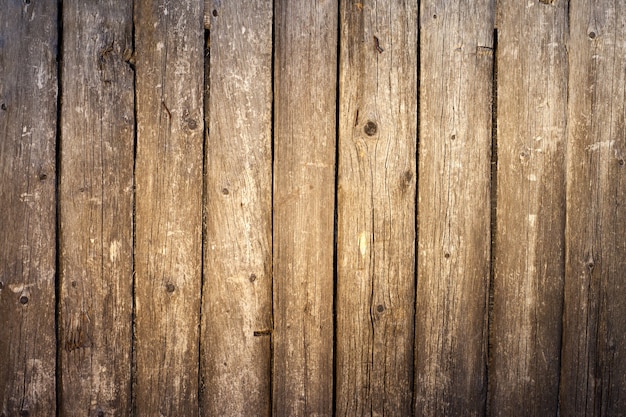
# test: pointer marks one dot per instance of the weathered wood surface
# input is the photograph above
(96, 209)
(457, 54)
(28, 114)
(237, 295)
(593, 372)
(168, 247)
(304, 176)
(529, 241)
(376, 208)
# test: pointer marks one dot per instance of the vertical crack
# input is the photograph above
(133, 354)
(493, 215)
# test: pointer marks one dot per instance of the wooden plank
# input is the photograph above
(237, 295)
(456, 69)
(169, 40)
(376, 208)
(28, 116)
(96, 209)
(529, 242)
(593, 373)
(304, 178)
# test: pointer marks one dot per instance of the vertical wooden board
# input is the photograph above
(28, 116)
(96, 209)
(304, 169)
(237, 295)
(593, 372)
(168, 247)
(376, 208)
(456, 70)
(529, 246)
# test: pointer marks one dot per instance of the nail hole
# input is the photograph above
(1, 285)
(3, 106)
(252, 277)
(621, 162)
(74, 284)
(43, 177)
(214, 13)
(225, 191)
(446, 255)
(380, 308)
(25, 413)
(24, 300)
(100, 413)
(592, 35)
(192, 124)
(169, 287)
(453, 137)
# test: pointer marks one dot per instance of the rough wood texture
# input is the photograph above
(237, 295)
(456, 43)
(170, 73)
(528, 270)
(96, 209)
(304, 177)
(376, 208)
(28, 115)
(593, 373)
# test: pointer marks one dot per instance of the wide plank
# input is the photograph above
(376, 208)
(305, 90)
(529, 237)
(593, 371)
(96, 209)
(455, 137)
(169, 42)
(237, 294)
(28, 124)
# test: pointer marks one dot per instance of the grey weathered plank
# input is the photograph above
(168, 250)
(28, 116)
(304, 168)
(237, 295)
(529, 240)
(96, 209)
(593, 372)
(456, 61)
(376, 208)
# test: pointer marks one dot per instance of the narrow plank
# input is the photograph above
(28, 117)
(456, 70)
(304, 169)
(376, 208)
(169, 40)
(593, 373)
(237, 295)
(529, 240)
(96, 209)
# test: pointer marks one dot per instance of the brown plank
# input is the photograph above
(237, 295)
(304, 168)
(376, 208)
(28, 115)
(96, 209)
(593, 373)
(529, 245)
(456, 69)
(168, 249)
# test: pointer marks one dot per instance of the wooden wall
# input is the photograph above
(296, 208)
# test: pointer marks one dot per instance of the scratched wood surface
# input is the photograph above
(96, 210)
(529, 237)
(237, 295)
(593, 371)
(305, 89)
(312, 208)
(28, 124)
(169, 42)
(457, 57)
(375, 212)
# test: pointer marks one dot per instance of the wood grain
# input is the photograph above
(168, 250)
(304, 177)
(528, 270)
(456, 69)
(96, 202)
(28, 124)
(376, 208)
(237, 295)
(593, 372)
